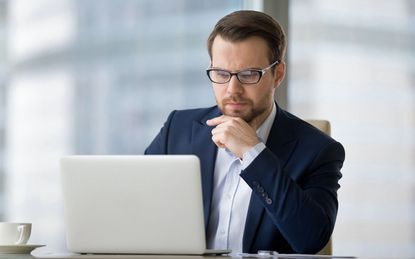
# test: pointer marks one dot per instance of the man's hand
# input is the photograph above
(233, 133)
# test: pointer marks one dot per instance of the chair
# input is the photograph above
(324, 126)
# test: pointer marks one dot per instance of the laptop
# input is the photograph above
(134, 205)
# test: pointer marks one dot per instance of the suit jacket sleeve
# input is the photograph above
(303, 209)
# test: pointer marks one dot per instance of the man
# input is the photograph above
(270, 180)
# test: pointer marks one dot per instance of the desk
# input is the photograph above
(17, 256)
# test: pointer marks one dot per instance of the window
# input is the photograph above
(3, 40)
(352, 62)
(95, 77)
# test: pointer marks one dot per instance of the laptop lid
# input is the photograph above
(133, 204)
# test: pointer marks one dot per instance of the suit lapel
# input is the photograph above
(281, 141)
(206, 150)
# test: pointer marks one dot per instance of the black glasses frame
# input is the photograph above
(237, 74)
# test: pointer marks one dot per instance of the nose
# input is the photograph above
(234, 86)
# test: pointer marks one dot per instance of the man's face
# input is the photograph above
(251, 102)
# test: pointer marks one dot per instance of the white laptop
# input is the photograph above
(134, 205)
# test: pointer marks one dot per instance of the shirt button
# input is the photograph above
(269, 201)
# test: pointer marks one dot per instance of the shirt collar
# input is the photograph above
(263, 131)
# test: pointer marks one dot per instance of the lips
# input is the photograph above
(235, 108)
(235, 104)
(234, 101)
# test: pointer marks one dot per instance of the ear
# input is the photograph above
(279, 74)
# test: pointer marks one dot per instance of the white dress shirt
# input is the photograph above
(231, 194)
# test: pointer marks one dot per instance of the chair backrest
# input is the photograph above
(324, 126)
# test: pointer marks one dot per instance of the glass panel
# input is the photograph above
(3, 40)
(352, 62)
(95, 77)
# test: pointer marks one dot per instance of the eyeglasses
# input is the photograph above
(248, 76)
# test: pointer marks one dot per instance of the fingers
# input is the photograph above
(227, 126)
(217, 141)
(222, 119)
(233, 133)
(216, 121)
(220, 129)
(219, 135)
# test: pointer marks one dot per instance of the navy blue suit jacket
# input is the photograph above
(294, 181)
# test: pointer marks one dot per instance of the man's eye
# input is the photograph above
(248, 75)
(221, 74)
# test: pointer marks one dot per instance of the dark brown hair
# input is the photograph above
(240, 25)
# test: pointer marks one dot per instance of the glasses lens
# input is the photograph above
(249, 76)
(219, 76)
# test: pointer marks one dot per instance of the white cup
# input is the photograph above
(14, 233)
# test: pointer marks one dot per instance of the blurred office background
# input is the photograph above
(100, 77)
